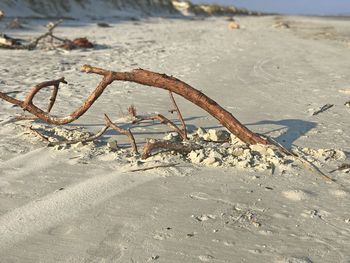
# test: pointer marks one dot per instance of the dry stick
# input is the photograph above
(39, 134)
(184, 130)
(53, 97)
(147, 78)
(154, 167)
(123, 131)
(303, 160)
(168, 146)
(163, 120)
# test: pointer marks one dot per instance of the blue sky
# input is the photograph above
(320, 7)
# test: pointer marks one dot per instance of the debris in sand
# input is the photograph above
(112, 144)
(294, 260)
(5, 40)
(295, 195)
(103, 24)
(2, 14)
(14, 24)
(347, 104)
(233, 25)
(230, 19)
(281, 25)
(197, 150)
(322, 109)
(81, 42)
(323, 155)
(344, 91)
(343, 167)
(216, 135)
(154, 167)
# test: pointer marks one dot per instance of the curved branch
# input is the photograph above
(148, 78)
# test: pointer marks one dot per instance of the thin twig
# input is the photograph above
(167, 146)
(39, 134)
(184, 130)
(52, 99)
(343, 166)
(312, 167)
(163, 120)
(122, 131)
(154, 167)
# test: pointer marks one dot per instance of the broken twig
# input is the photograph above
(122, 131)
(176, 108)
(322, 109)
(154, 167)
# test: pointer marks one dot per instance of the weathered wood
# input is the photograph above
(5, 40)
(147, 78)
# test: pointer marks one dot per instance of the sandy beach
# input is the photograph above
(85, 204)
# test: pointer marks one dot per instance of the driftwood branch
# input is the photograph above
(149, 147)
(12, 43)
(147, 78)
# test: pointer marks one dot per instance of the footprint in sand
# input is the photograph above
(295, 195)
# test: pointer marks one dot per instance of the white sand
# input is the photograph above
(84, 205)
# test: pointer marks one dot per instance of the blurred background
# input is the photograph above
(305, 7)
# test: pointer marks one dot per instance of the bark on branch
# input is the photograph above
(147, 78)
